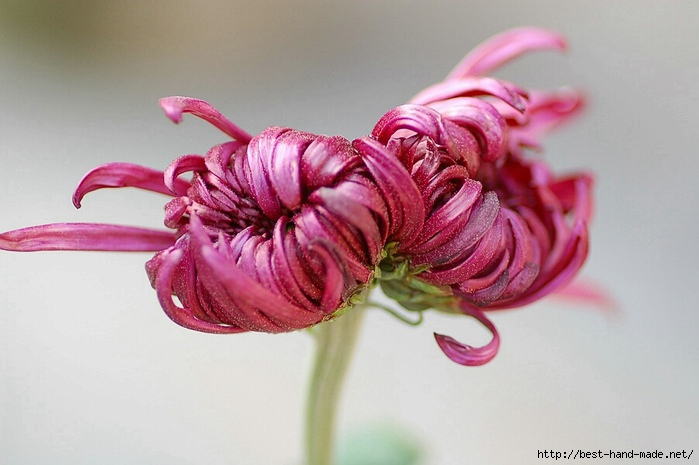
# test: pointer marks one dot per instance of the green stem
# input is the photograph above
(335, 344)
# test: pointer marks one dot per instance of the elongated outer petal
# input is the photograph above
(86, 236)
(465, 354)
(504, 47)
(125, 175)
(175, 107)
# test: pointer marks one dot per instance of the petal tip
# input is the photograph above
(173, 108)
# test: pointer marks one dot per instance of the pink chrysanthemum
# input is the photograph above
(501, 230)
(273, 233)
(439, 205)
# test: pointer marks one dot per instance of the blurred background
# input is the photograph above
(91, 370)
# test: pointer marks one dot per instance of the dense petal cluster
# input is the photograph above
(275, 232)
(500, 230)
(440, 205)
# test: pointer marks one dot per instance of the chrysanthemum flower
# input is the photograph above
(272, 233)
(501, 230)
(440, 205)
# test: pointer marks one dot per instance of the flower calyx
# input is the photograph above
(399, 281)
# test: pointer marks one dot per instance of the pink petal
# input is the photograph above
(229, 284)
(505, 47)
(587, 293)
(397, 188)
(174, 107)
(352, 213)
(472, 87)
(464, 354)
(473, 263)
(86, 236)
(336, 277)
(125, 175)
(183, 164)
(182, 316)
(417, 118)
(481, 119)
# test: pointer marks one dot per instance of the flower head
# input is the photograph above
(500, 230)
(440, 205)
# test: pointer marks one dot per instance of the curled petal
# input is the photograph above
(560, 272)
(443, 247)
(325, 160)
(336, 278)
(259, 151)
(184, 164)
(397, 188)
(175, 107)
(352, 213)
(86, 236)
(481, 119)
(574, 194)
(182, 316)
(504, 47)
(283, 167)
(230, 285)
(472, 263)
(417, 118)
(125, 175)
(219, 156)
(472, 87)
(465, 354)
(453, 216)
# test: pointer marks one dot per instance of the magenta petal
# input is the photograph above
(125, 175)
(472, 87)
(504, 47)
(464, 354)
(335, 276)
(571, 261)
(174, 107)
(417, 118)
(86, 236)
(184, 164)
(547, 110)
(397, 187)
(283, 167)
(354, 214)
(481, 119)
(182, 316)
(218, 158)
(472, 263)
(259, 151)
(228, 283)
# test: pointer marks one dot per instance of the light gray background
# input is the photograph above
(91, 371)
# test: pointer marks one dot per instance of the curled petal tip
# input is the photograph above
(464, 354)
(125, 175)
(467, 355)
(173, 108)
